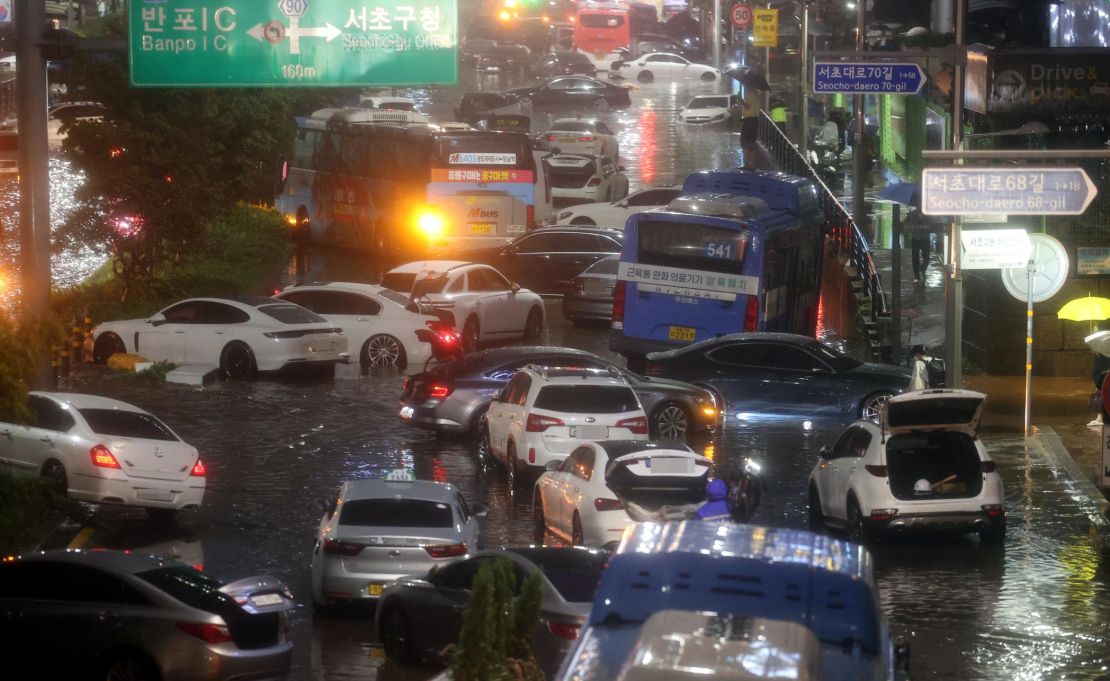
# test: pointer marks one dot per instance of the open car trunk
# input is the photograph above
(933, 465)
(659, 486)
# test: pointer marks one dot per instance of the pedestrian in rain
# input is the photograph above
(1098, 375)
(778, 113)
(919, 375)
(715, 509)
(919, 244)
(755, 85)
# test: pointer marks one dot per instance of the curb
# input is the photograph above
(1088, 496)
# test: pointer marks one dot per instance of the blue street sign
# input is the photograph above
(867, 78)
(1011, 191)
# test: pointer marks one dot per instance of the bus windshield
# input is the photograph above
(693, 246)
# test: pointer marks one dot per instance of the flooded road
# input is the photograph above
(273, 448)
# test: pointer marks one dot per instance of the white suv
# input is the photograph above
(544, 413)
(922, 467)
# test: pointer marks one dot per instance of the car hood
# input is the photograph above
(704, 112)
(887, 370)
(665, 385)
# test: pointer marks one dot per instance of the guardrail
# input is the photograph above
(845, 238)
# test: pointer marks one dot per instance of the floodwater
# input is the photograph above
(1033, 610)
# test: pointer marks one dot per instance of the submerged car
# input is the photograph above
(709, 110)
(922, 467)
(548, 258)
(576, 91)
(590, 295)
(615, 213)
(585, 178)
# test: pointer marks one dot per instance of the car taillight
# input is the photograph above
(637, 425)
(284, 334)
(406, 385)
(446, 550)
(551, 138)
(594, 181)
(563, 630)
(209, 633)
(751, 315)
(586, 139)
(992, 510)
(881, 514)
(987, 466)
(102, 457)
(439, 390)
(618, 305)
(877, 471)
(335, 547)
(601, 504)
(199, 470)
(538, 424)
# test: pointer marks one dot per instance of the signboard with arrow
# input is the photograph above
(292, 43)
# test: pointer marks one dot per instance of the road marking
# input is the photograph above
(82, 537)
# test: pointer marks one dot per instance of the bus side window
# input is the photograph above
(304, 148)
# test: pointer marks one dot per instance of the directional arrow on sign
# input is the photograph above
(294, 32)
(1018, 190)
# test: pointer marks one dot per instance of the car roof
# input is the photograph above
(576, 375)
(419, 266)
(125, 561)
(426, 490)
(750, 337)
(484, 359)
(557, 556)
(248, 301)
(578, 119)
(83, 401)
(588, 229)
(354, 286)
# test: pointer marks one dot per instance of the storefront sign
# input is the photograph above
(1054, 82)
(1093, 260)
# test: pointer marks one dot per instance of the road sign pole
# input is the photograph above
(805, 81)
(1032, 270)
(717, 34)
(954, 291)
(858, 160)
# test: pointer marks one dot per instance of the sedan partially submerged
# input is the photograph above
(241, 336)
(105, 451)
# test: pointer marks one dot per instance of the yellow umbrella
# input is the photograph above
(1085, 309)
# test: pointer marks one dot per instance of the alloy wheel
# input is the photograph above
(671, 423)
(238, 362)
(872, 406)
(383, 351)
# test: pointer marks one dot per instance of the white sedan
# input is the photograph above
(922, 467)
(603, 487)
(583, 136)
(667, 67)
(377, 321)
(105, 451)
(583, 178)
(709, 110)
(615, 213)
(241, 336)
(476, 299)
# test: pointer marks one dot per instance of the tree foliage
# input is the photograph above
(27, 347)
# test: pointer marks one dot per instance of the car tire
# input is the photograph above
(511, 478)
(583, 221)
(396, 636)
(237, 361)
(471, 335)
(870, 406)
(994, 535)
(539, 523)
(483, 452)
(533, 327)
(708, 77)
(645, 77)
(107, 345)
(129, 666)
(55, 473)
(858, 531)
(815, 515)
(576, 536)
(161, 516)
(382, 350)
(671, 421)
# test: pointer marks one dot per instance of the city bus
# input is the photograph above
(600, 29)
(371, 180)
(738, 250)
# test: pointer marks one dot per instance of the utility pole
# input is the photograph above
(858, 153)
(34, 179)
(717, 34)
(954, 290)
(805, 80)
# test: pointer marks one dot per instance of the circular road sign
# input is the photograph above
(293, 8)
(741, 15)
(1050, 270)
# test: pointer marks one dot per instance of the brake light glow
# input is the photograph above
(532, 455)
(538, 424)
(334, 547)
(993, 510)
(618, 305)
(209, 633)
(199, 471)
(594, 181)
(439, 391)
(638, 425)
(751, 314)
(601, 504)
(446, 550)
(102, 457)
(530, 217)
(551, 138)
(586, 139)
(881, 514)
(877, 471)
(987, 466)
(568, 632)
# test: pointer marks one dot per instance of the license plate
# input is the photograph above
(374, 589)
(671, 465)
(568, 139)
(590, 432)
(407, 413)
(481, 227)
(680, 333)
(267, 599)
(154, 495)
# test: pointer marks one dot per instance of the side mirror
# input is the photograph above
(479, 509)
(825, 452)
(514, 287)
(156, 320)
(553, 465)
(508, 250)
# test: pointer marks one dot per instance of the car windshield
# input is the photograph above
(399, 281)
(587, 399)
(604, 266)
(708, 103)
(391, 295)
(395, 513)
(119, 423)
(291, 314)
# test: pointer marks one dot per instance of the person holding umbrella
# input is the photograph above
(755, 84)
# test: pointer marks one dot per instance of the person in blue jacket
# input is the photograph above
(715, 509)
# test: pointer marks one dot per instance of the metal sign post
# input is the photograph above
(1031, 272)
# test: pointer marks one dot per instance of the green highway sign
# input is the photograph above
(293, 43)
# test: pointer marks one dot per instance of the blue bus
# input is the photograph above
(738, 250)
(823, 584)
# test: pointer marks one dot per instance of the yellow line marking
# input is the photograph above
(82, 538)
